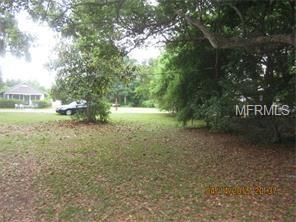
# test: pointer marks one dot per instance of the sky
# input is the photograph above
(43, 49)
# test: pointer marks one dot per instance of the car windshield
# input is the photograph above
(73, 103)
(81, 102)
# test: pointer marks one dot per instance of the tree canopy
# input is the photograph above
(217, 54)
(11, 38)
(202, 80)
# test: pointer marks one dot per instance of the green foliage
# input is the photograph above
(99, 109)
(41, 103)
(11, 38)
(136, 91)
(86, 70)
(163, 84)
(103, 110)
(192, 78)
(9, 103)
(265, 130)
(58, 92)
(199, 82)
(90, 65)
(148, 103)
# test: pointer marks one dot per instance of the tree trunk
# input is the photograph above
(125, 100)
(90, 114)
(276, 133)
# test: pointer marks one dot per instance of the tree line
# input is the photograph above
(217, 54)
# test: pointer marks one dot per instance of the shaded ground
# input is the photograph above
(140, 168)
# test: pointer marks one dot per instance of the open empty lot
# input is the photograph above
(139, 167)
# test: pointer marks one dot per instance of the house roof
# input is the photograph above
(23, 89)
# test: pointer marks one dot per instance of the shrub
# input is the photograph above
(41, 104)
(216, 112)
(265, 129)
(9, 103)
(103, 110)
(96, 111)
(148, 104)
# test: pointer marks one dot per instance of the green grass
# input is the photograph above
(140, 167)
(27, 118)
(160, 119)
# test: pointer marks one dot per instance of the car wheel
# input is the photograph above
(69, 112)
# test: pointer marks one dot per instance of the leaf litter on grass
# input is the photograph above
(125, 171)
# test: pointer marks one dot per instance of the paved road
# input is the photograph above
(119, 110)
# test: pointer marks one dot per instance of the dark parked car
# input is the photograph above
(71, 108)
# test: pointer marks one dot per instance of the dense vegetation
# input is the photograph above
(9, 103)
(199, 81)
(136, 91)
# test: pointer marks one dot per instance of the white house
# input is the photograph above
(23, 92)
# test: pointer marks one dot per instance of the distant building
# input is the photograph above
(23, 92)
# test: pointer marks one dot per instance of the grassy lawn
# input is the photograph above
(140, 167)
(28, 118)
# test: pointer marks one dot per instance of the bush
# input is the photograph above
(216, 112)
(41, 104)
(103, 110)
(10, 103)
(265, 129)
(96, 111)
(148, 104)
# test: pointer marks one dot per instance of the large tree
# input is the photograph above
(86, 69)
(238, 23)
(201, 81)
(248, 25)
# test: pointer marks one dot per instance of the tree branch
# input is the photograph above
(237, 42)
(240, 16)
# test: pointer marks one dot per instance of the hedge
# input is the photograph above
(9, 103)
(41, 104)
